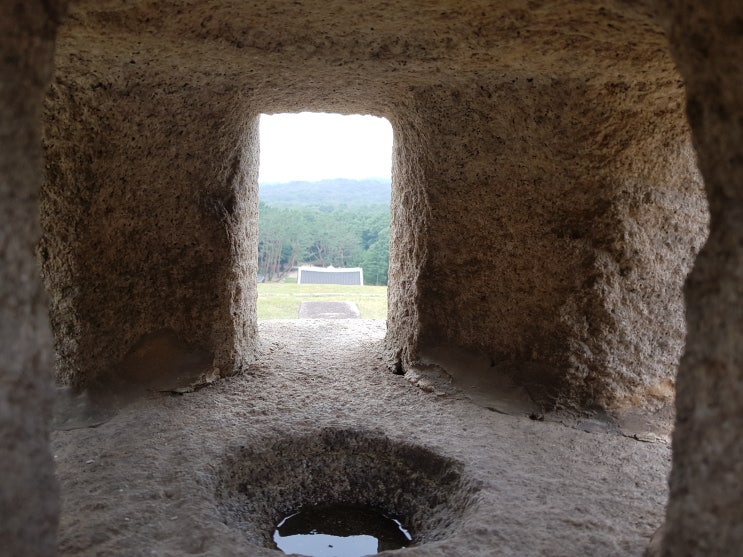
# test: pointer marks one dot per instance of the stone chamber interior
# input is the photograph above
(565, 246)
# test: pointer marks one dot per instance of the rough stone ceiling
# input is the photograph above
(349, 50)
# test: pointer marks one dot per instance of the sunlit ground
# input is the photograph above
(281, 300)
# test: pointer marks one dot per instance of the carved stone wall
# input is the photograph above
(150, 223)
(28, 490)
(704, 512)
(546, 203)
(562, 219)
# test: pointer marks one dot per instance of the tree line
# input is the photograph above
(338, 191)
(324, 235)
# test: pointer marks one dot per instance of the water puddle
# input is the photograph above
(339, 531)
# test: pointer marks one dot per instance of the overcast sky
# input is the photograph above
(313, 146)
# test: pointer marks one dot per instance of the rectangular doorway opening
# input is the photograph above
(324, 216)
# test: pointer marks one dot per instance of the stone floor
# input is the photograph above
(154, 477)
(328, 310)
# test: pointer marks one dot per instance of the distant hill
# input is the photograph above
(338, 191)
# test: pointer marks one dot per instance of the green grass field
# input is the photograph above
(281, 300)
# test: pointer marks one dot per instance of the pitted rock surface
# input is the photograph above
(546, 204)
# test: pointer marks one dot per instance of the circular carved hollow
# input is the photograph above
(259, 486)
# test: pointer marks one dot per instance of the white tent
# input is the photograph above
(331, 275)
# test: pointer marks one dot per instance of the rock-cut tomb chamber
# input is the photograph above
(577, 165)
